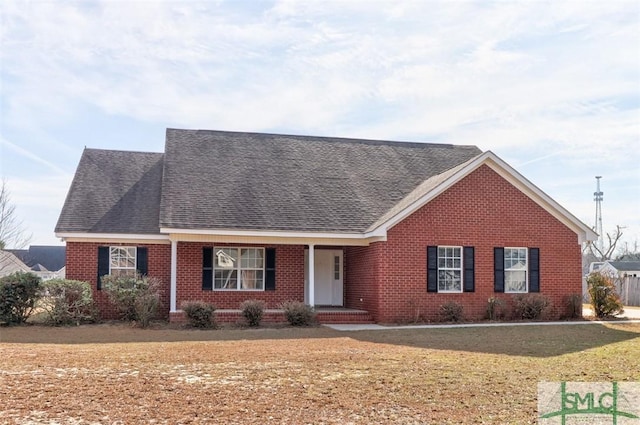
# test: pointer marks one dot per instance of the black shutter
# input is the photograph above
(270, 269)
(534, 269)
(103, 264)
(432, 269)
(498, 269)
(142, 260)
(207, 268)
(469, 272)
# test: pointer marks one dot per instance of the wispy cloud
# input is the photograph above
(536, 82)
(31, 156)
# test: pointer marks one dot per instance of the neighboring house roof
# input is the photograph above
(42, 257)
(215, 182)
(625, 266)
(9, 264)
(114, 192)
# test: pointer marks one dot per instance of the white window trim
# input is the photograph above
(239, 270)
(461, 269)
(526, 270)
(135, 258)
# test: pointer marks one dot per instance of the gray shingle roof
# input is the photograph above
(626, 266)
(114, 192)
(229, 180)
(50, 257)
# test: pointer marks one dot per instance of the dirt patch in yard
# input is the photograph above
(117, 374)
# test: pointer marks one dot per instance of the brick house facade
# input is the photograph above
(465, 231)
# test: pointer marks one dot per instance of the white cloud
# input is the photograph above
(554, 81)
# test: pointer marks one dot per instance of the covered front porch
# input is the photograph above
(282, 268)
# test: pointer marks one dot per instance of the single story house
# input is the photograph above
(392, 229)
(10, 263)
(45, 261)
(621, 268)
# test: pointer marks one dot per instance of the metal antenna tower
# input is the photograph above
(597, 196)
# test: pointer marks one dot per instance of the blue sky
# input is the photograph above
(551, 87)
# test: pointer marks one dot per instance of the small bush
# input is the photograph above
(604, 299)
(451, 312)
(19, 293)
(199, 313)
(495, 308)
(253, 310)
(531, 306)
(67, 301)
(573, 303)
(148, 301)
(298, 313)
(136, 297)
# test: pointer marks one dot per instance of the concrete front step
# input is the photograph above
(332, 316)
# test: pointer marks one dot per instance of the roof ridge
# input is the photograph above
(329, 139)
(122, 151)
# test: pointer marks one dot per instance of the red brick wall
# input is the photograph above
(289, 277)
(484, 211)
(82, 264)
(361, 274)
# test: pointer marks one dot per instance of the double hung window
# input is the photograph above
(449, 269)
(238, 268)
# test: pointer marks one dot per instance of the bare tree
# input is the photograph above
(629, 251)
(608, 248)
(12, 230)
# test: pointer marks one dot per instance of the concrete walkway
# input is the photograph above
(630, 315)
(629, 312)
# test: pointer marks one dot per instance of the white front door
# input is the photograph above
(328, 280)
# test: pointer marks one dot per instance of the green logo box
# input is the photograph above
(582, 403)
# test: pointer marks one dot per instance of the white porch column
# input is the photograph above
(174, 272)
(312, 288)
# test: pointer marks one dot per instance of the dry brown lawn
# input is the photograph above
(114, 374)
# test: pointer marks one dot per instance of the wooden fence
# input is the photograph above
(629, 290)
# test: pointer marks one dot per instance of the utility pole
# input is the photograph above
(597, 196)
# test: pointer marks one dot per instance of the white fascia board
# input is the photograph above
(287, 237)
(111, 236)
(584, 232)
(263, 233)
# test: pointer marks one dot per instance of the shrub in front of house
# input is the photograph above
(298, 313)
(573, 303)
(148, 301)
(531, 306)
(67, 301)
(451, 312)
(604, 299)
(495, 308)
(19, 293)
(136, 298)
(253, 310)
(199, 314)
